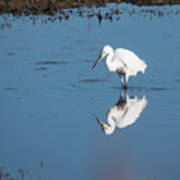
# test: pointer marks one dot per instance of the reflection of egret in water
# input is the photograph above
(123, 114)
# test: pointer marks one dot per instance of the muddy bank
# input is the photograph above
(111, 13)
(51, 7)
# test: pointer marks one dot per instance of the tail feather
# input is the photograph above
(144, 66)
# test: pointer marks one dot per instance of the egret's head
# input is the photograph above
(105, 128)
(108, 130)
(104, 52)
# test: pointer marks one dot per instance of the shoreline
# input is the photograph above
(51, 7)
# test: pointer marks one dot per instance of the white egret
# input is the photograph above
(123, 61)
(123, 114)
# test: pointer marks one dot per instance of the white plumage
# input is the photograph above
(123, 114)
(123, 61)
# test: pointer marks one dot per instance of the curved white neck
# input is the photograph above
(111, 126)
(109, 60)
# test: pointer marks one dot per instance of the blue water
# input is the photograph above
(48, 94)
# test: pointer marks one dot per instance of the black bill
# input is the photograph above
(100, 122)
(98, 59)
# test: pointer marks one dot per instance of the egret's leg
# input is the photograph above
(121, 95)
(126, 79)
(124, 82)
(121, 78)
(122, 99)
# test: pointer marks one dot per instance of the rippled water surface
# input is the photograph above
(53, 106)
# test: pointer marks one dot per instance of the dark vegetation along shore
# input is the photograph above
(51, 7)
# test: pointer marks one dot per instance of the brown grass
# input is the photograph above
(50, 7)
